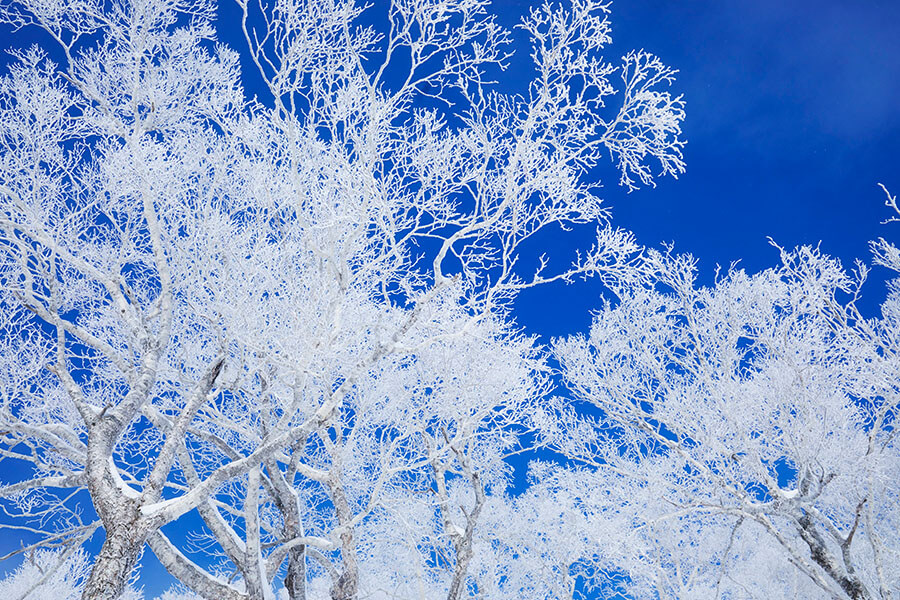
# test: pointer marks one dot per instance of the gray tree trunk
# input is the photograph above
(295, 579)
(115, 563)
(126, 531)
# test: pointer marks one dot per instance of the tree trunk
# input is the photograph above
(285, 498)
(116, 561)
(119, 510)
(818, 550)
(295, 580)
(347, 584)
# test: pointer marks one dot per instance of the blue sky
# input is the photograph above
(792, 119)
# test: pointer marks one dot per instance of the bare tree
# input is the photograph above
(745, 429)
(183, 266)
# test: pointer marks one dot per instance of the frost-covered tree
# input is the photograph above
(745, 431)
(57, 574)
(196, 287)
(409, 425)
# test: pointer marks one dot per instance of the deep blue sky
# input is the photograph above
(793, 117)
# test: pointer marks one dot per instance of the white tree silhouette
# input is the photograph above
(746, 430)
(198, 287)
